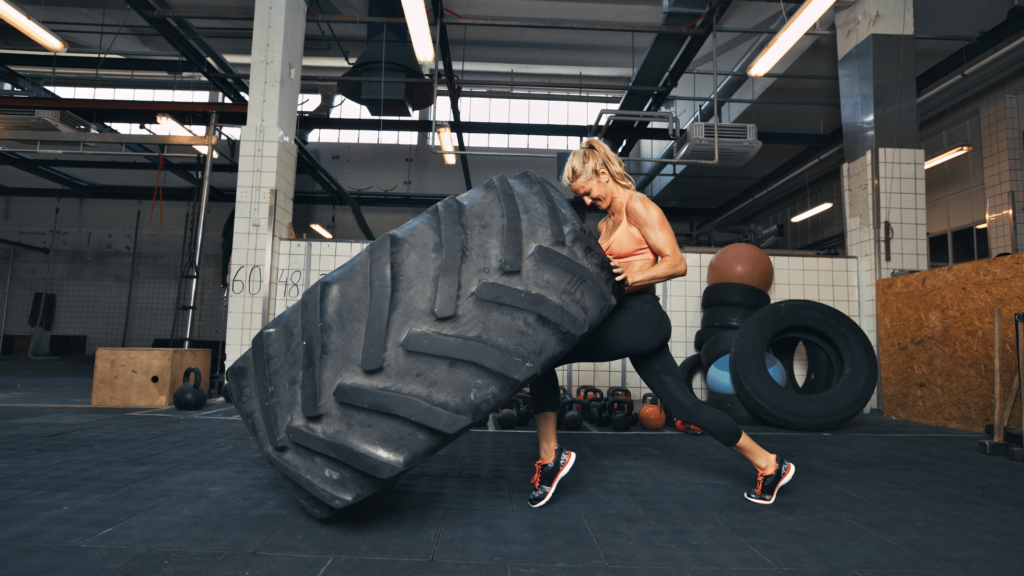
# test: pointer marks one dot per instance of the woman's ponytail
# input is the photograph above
(593, 154)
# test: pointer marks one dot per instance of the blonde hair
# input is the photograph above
(592, 155)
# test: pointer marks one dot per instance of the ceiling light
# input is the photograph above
(811, 212)
(177, 129)
(321, 231)
(419, 30)
(956, 150)
(982, 226)
(444, 136)
(798, 25)
(29, 27)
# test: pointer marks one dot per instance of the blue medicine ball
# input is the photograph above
(720, 381)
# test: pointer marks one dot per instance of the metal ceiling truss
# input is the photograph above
(665, 63)
(18, 81)
(191, 44)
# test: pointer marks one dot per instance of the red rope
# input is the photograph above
(158, 187)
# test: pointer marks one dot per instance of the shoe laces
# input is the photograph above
(539, 465)
(760, 482)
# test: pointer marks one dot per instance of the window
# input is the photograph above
(958, 246)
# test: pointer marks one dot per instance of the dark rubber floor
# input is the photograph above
(88, 491)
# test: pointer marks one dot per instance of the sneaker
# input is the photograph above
(548, 474)
(768, 484)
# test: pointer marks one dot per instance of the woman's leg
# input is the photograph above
(544, 399)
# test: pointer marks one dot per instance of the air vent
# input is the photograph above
(41, 120)
(737, 143)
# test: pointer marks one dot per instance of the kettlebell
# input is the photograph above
(226, 393)
(574, 415)
(589, 395)
(509, 414)
(652, 415)
(620, 392)
(190, 396)
(562, 407)
(619, 416)
(525, 413)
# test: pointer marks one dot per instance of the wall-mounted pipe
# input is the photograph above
(958, 78)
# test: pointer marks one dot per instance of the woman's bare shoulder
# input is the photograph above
(642, 209)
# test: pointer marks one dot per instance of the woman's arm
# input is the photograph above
(654, 227)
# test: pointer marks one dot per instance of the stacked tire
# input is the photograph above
(841, 366)
(724, 308)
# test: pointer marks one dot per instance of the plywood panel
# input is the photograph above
(143, 377)
(935, 341)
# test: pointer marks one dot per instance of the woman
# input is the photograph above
(642, 248)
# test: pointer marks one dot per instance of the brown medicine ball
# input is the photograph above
(741, 264)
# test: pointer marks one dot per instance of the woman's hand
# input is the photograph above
(617, 269)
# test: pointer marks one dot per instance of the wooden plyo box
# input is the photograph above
(143, 377)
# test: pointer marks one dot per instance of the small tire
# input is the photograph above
(727, 294)
(724, 317)
(851, 354)
(688, 368)
(716, 347)
(705, 334)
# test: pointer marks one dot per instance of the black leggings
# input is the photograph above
(638, 329)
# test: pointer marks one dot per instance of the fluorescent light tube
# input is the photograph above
(419, 30)
(177, 129)
(29, 27)
(798, 25)
(982, 226)
(811, 212)
(957, 150)
(444, 136)
(321, 231)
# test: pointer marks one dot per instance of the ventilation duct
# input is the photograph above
(737, 143)
(390, 57)
(42, 120)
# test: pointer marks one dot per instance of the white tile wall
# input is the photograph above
(902, 203)
(266, 185)
(1004, 182)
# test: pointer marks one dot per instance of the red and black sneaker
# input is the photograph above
(768, 484)
(548, 474)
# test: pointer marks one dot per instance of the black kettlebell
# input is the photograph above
(226, 393)
(525, 413)
(619, 415)
(509, 414)
(574, 414)
(191, 396)
(562, 408)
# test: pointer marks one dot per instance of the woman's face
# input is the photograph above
(597, 191)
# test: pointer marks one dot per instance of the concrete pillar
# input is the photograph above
(883, 177)
(266, 171)
(1004, 182)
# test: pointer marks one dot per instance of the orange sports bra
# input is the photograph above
(626, 244)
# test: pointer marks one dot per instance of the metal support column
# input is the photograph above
(196, 256)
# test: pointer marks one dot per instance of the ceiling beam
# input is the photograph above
(1013, 24)
(191, 44)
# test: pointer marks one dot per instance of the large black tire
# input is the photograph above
(724, 316)
(819, 375)
(727, 294)
(849, 351)
(389, 358)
